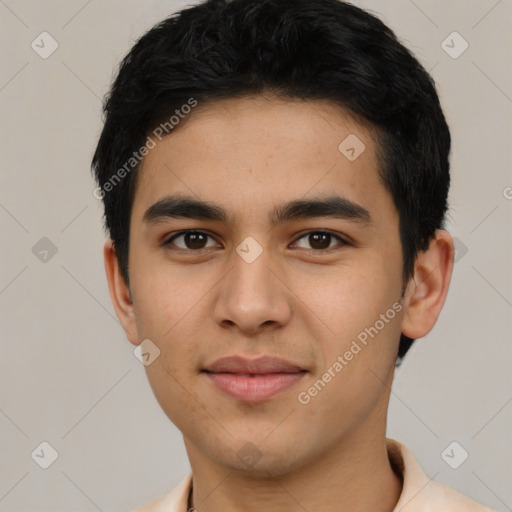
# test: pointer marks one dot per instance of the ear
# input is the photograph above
(426, 291)
(120, 293)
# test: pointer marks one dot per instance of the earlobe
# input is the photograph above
(427, 290)
(120, 293)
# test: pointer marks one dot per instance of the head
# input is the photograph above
(249, 105)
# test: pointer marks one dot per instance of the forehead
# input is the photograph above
(253, 152)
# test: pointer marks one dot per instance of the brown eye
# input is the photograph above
(320, 240)
(191, 240)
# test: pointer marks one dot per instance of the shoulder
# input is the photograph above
(443, 497)
(173, 501)
(421, 493)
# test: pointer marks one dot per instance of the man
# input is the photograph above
(275, 176)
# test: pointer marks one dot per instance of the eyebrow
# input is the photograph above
(339, 207)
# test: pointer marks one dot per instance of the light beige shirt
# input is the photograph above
(419, 493)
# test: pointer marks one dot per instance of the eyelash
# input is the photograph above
(342, 242)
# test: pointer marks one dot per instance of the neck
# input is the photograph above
(354, 476)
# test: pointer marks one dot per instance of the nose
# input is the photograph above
(252, 296)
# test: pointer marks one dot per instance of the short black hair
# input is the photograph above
(301, 49)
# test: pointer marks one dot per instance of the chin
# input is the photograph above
(263, 469)
(259, 460)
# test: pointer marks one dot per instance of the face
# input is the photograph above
(306, 285)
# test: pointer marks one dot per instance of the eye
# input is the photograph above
(191, 240)
(320, 240)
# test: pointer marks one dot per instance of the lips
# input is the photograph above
(253, 380)
(261, 365)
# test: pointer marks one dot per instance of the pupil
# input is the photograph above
(195, 240)
(321, 239)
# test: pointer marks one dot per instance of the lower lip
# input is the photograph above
(254, 388)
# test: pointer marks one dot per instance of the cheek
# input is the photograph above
(174, 394)
(163, 295)
(360, 321)
(356, 368)
(166, 318)
(347, 298)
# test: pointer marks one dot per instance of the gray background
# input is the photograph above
(68, 375)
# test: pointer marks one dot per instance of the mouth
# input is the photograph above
(254, 380)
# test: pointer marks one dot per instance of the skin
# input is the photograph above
(294, 301)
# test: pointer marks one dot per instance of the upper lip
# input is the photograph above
(260, 365)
